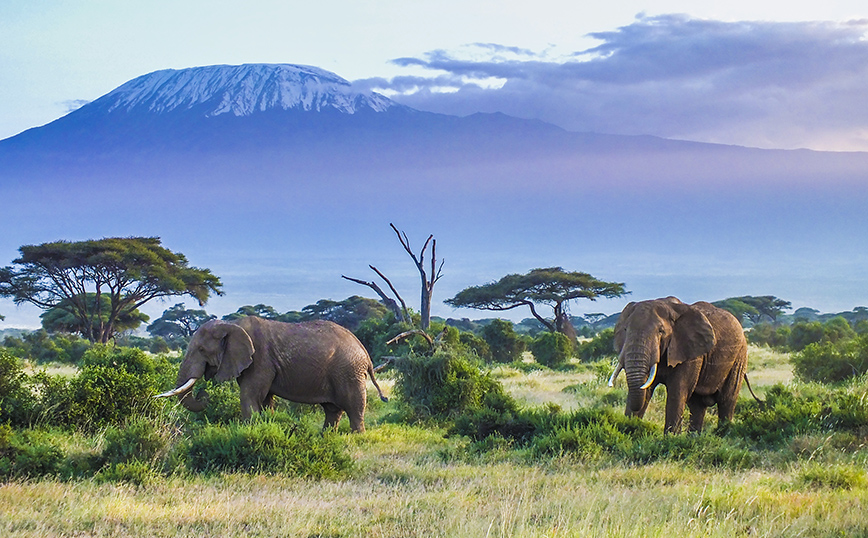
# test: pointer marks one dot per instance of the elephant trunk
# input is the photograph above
(189, 373)
(637, 365)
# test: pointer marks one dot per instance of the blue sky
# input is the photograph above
(766, 74)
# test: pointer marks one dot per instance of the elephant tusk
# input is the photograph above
(180, 390)
(651, 377)
(615, 374)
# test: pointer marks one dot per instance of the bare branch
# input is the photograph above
(406, 316)
(411, 333)
(386, 362)
(388, 301)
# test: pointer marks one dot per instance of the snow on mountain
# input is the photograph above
(241, 90)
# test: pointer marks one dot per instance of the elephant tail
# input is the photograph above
(751, 390)
(374, 380)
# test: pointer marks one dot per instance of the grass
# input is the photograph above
(413, 480)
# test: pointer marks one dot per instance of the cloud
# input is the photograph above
(74, 104)
(768, 84)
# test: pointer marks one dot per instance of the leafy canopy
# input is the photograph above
(130, 271)
(550, 286)
(754, 308)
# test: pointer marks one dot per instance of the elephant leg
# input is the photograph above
(252, 399)
(729, 392)
(333, 415)
(697, 415)
(679, 388)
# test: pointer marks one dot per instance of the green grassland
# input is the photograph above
(411, 479)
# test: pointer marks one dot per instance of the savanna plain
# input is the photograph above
(424, 479)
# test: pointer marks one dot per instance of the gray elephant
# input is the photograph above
(317, 362)
(697, 351)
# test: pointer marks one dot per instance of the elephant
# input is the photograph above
(697, 351)
(315, 362)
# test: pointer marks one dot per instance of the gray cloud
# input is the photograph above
(753, 83)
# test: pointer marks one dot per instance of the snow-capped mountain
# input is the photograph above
(280, 178)
(241, 90)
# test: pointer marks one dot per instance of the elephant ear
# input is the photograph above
(236, 352)
(692, 336)
(621, 326)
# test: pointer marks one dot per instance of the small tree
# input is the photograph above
(552, 286)
(505, 345)
(129, 271)
(755, 308)
(266, 312)
(349, 313)
(178, 322)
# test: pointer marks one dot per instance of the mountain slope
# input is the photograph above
(281, 178)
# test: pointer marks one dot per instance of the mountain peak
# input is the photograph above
(240, 90)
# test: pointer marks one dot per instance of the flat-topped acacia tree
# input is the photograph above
(75, 276)
(550, 286)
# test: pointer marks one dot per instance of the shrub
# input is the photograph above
(551, 349)
(137, 441)
(443, 385)
(16, 400)
(41, 347)
(498, 416)
(28, 454)
(767, 334)
(831, 362)
(786, 414)
(476, 344)
(269, 444)
(600, 347)
(505, 344)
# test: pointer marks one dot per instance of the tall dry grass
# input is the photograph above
(414, 480)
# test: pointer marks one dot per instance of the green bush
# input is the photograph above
(806, 410)
(42, 347)
(224, 404)
(28, 454)
(767, 334)
(832, 362)
(443, 385)
(499, 416)
(114, 384)
(269, 444)
(137, 441)
(599, 347)
(551, 349)
(476, 344)
(505, 344)
(16, 400)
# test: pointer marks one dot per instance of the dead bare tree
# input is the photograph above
(428, 280)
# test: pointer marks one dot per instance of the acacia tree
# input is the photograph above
(755, 308)
(129, 271)
(178, 322)
(551, 286)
